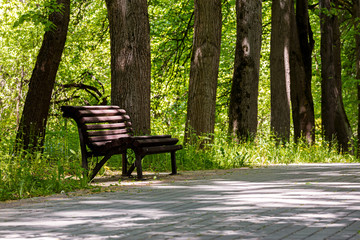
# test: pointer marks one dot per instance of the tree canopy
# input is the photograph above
(84, 75)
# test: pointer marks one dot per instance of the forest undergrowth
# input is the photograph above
(58, 169)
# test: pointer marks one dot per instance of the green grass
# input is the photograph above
(224, 154)
(30, 175)
(58, 169)
(37, 175)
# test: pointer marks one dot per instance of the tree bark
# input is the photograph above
(302, 44)
(280, 69)
(130, 60)
(336, 126)
(356, 22)
(31, 131)
(245, 83)
(204, 69)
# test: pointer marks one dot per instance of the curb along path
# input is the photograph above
(278, 202)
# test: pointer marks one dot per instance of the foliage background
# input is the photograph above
(84, 78)
(86, 60)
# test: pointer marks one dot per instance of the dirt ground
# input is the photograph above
(114, 177)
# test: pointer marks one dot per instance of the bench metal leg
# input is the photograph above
(173, 163)
(84, 162)
(99, 165)
(124, 164)
(84, 154)
(131, 169)
(84, 165)
(138, 166)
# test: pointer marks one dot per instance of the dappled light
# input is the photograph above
(290, 202)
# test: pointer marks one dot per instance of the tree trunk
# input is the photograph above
(204, 69)
(302, 44)
(356, 22)
(130, 60)
(31, 132)
(245, 83)
(334, 120)
(280, 69)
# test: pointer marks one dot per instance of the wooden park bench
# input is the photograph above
(107, 130)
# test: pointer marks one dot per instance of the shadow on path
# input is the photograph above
(280, 202)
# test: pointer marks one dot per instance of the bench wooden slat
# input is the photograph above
(160, 149)
(104, 146)
(155, 142)
(104, 119)
(108, 137)
(67, 108)
(99, 144)
(73, 111)
(150, 137)
(101, 112)
(107, 126)
(107, 132)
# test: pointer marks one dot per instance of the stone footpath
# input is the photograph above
(278, 202)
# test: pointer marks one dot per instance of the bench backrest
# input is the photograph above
(99, 125)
